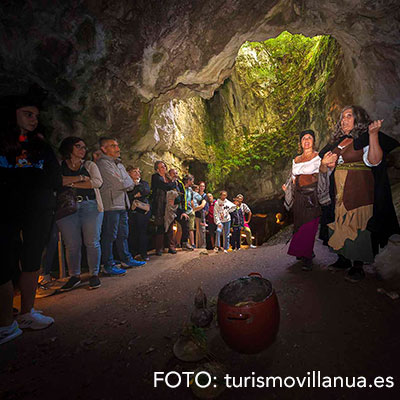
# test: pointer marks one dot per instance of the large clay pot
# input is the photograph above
(248, 314)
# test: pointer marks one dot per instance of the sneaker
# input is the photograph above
(193, 246)
(43, 291)
(114, 271)
(44, 279)
(172, 251)
(355, 275)
(341, 263)
(216, 249)
(145, 257)
(133, 263)
(94, 282)
(225, 251)
(114, 264)
(72, 283)
(9, 332)
(34, 320)
(187, 247)
(252, 246)
(159, 253)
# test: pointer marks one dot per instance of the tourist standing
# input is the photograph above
(210, 218)
(160, 185)
(29, 176)
(247, 218)
(181, 213)
(222, 218)
(139, 215)
(237, 224)
(200, 215)
(188, 181)
(84, 179)
(116, 183)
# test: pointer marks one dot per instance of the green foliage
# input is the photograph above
(283, 86)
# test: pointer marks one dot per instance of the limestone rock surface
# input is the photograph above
(124, 67)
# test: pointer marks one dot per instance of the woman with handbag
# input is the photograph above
(82, 218)
(139, 215)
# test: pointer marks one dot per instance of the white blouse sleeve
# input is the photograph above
(94, 173)
(365, 158)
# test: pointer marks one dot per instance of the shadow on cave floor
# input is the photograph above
(107, 343)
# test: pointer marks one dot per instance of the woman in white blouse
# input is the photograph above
(303, 195)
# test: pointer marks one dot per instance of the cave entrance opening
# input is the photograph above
(198, 169)
(277, 88)
(243, 138)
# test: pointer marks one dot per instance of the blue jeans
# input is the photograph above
(226, 228)
(115, 229)
(85, 222)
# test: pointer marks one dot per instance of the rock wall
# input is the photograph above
(109, 65)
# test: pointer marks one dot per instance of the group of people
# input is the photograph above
(195, 212)
(98, 203)
(345, 189)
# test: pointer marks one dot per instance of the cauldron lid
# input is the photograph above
(245, 290)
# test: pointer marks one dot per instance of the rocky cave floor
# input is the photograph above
(107, 343)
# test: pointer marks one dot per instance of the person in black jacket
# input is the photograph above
(29, 176)
(138, 218)
(181, 216)
(237, 224)
(160, 185)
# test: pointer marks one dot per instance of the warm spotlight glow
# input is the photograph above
(279, 219)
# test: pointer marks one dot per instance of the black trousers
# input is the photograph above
(23, 236)
(236, 237)
(138, 241)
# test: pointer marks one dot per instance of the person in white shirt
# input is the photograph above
(302, 195)
(222, 209)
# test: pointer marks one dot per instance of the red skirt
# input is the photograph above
(302, 243)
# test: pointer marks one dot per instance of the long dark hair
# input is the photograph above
(361, 122)
(10, 145)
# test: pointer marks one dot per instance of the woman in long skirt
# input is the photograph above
(305, 191)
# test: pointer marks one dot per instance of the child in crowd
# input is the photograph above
(247, 214)
(210, 218)
(237, 219)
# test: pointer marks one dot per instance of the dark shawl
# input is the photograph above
(383, 222)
